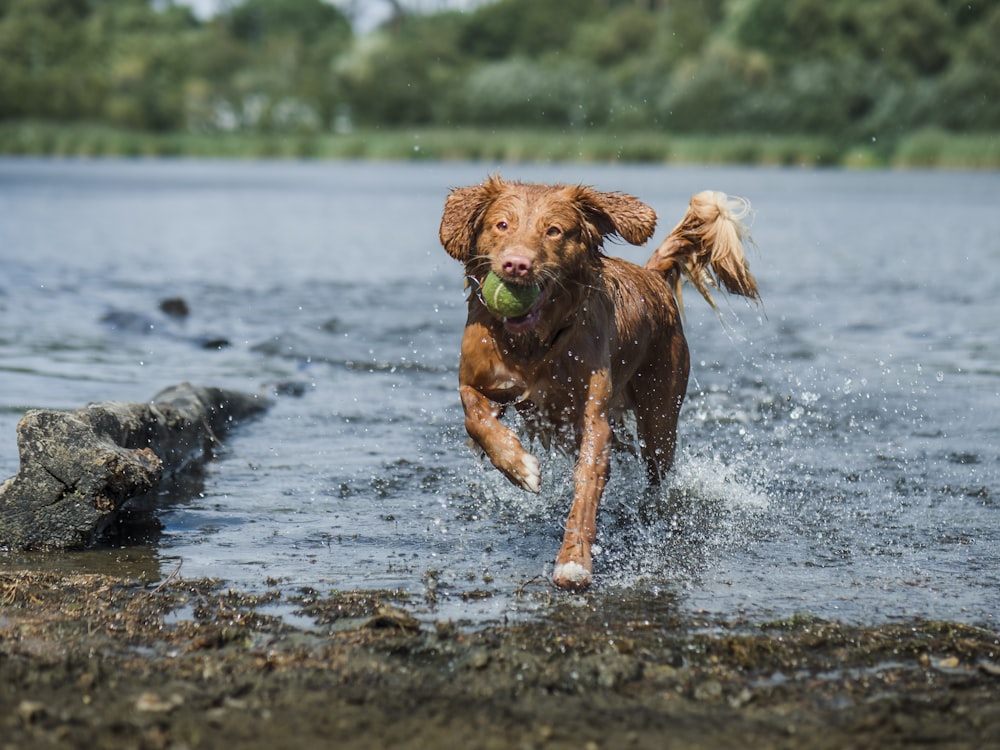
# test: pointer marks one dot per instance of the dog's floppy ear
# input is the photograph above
(618, 213)
(463, 212)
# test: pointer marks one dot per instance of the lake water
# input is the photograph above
(840, 449)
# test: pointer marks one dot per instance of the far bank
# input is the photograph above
(926, 149)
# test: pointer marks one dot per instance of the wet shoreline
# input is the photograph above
(100, 659)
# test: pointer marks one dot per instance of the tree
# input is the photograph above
(524, 27)
(147, 62)
(268, 65)
(46, 64)
(252, 21)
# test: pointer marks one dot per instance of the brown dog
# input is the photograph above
(603, 337)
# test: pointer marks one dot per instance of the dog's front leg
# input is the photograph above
(574, 565)
(499, 441)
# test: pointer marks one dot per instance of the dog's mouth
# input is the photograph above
(527, 322)
(521, 323)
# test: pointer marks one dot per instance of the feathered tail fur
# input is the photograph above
(707, 248)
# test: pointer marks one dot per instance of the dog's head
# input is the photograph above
(547, 235)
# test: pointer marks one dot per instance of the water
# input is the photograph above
(840, 449)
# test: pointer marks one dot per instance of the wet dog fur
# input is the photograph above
(603, 337)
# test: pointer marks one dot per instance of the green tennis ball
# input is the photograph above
(508, 300)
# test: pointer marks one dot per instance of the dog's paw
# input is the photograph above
(519, 466)
(530, 477)
(571, 576)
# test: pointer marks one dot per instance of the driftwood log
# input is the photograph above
(79, 468)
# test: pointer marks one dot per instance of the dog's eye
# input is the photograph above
(502, 226)
(553, 232)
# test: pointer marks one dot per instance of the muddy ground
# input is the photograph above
(104, 662)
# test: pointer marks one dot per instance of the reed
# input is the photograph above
(938, 149)
(923, 149)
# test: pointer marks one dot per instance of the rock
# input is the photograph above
(78, 469)
(393, 617)
(30, 711)
(991, 668)
(175, 307)
(150, 702)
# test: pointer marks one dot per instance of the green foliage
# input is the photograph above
(523, 27)
(519, 91)
(845, 71)
(253, 21)
(267, 67)
(44, 59)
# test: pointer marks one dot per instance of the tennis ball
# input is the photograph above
(508, 300)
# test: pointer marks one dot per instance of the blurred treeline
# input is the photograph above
(849, 69)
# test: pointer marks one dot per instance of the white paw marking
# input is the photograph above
(531, 474)
(571, 573)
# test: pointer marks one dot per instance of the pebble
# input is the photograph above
(30, 711)
(989, 667)
(154, 704)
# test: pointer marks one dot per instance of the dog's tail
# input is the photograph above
(707, 248)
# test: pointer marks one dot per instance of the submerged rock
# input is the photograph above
(78, 469)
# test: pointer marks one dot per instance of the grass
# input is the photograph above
(936, 148)
(923, 149)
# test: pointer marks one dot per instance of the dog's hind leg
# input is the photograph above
(658, 439)
(658, 392)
